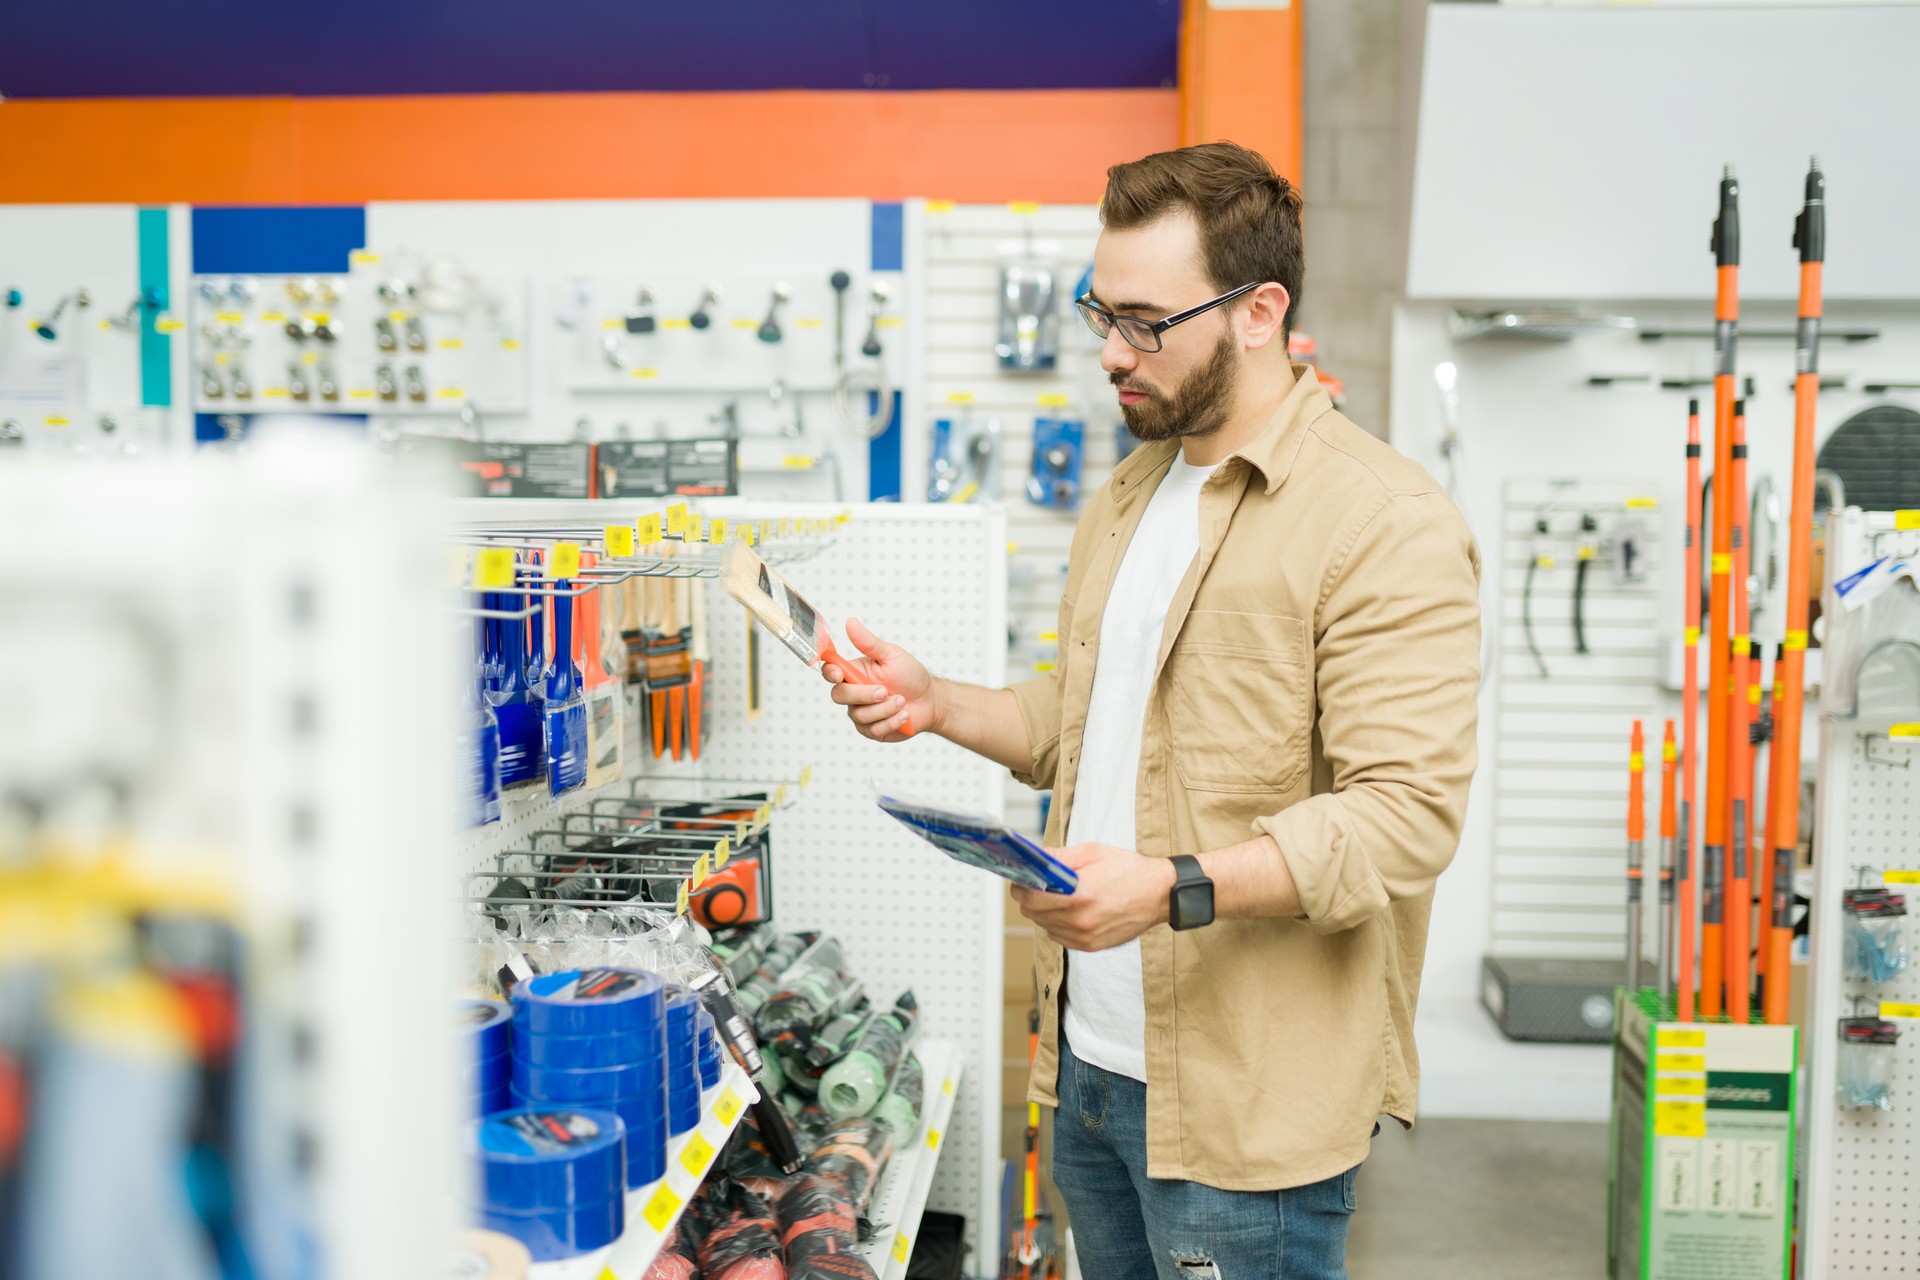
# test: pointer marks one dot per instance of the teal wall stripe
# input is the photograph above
(156, 348)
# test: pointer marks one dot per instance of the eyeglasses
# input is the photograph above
(1144, 335)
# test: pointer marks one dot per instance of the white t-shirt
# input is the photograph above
(1106, 1004)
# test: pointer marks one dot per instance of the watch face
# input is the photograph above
(1193, 905)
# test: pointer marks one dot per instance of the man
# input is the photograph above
(1259, 734)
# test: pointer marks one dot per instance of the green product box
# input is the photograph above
(1700, 1177)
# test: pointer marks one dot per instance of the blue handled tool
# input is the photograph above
(566, 707)
(516, 705)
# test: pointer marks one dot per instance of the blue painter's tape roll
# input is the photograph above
(487, 1072)
(560, 1233)
(682, 1005)
(683, 1110)
(487, 1023)
(540, 1158)
(498, 1098)
(596, 1084)
(709, 1070)
(646, 1145)
(577, 1053)
(587, 1002)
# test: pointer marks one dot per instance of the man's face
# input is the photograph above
(1187, 387)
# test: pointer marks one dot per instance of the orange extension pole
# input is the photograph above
(1783, 773)
(1669, 760)
(1726, 322)
(1739, 897)
(1636, 848)
(1688, 916)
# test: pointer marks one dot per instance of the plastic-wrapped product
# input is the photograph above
(1867, 1058)
(819, 1231)
(765, 979)
(740, 1235)
(679, 1257)
(1875, 945)
(899, 1108)
(855, 1082)
(852, 1155)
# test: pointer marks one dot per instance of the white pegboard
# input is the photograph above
(934, 581)
(1560, 741)
(1862, 1187)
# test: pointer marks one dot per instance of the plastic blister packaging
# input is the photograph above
(855, 1083)
(965, 466)
(1058, 446)
(812, 990)
(1872, 664)
(1865, 1070)
(1875, 945)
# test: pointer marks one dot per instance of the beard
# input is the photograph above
(1199, 406)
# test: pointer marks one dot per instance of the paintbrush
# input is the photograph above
(565, 717)
(606, 727)
(516, 706)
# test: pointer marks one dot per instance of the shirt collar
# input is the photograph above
(1271, 453)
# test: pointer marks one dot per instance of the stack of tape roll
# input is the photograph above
(485, 1066)
(709, 1050)
(597, 1038)
(683, 1059)
(488, 1255)
(553, 1178)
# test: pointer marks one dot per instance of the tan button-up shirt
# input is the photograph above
(1316, 681)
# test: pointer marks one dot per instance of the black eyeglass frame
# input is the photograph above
(1093, 313)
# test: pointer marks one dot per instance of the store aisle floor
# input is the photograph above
(1491, 1199)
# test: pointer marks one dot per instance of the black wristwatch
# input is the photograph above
(1190, 902)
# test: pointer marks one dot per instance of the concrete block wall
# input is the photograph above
(1353, 190)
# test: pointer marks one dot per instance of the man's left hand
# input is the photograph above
(1120, 896)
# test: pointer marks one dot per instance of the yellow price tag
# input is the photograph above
(451, 393)
(168, 324)
(1680, 1119)
(509, 344)
(806, 777)
(451, 344)
(902, 1247)
(644, 373)
(959, 397)
(613, 322)
(1903, 731)
(1685, 1086)
(564, 562)
(1796, 640)
(946, 1086)
(696, 528)
(760, 816)
(740, 831)
(1892, 1009)
(747, 535)
(1666, 1062)
(677, 518)
(1721, 563)
(722, 853)
(362, 258)
(1900, 877)
(786, 525)
(797, 462)
(661, 1207)
(939, 206)
(933, 1139)
(718, 532)
(1906, 521)
(492, 568)
(273, 393)
(1671, 1039)
(728, 1109)
(649, 530)
(618, 539)
(780, 796)
(1023, 206)
(1053, 401)
(1636, 762)
(808, 322)
(697, 1155)
(680, 899)
(230, 317)
(766, 531)
(702, 868)
(672, 323)
(746, 322)
(1642, 503)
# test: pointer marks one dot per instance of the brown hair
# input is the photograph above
(1249, 216)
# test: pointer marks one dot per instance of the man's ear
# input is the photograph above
(1266, 314)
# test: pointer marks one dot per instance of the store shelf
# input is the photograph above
(653, 1210)
(902, 1194)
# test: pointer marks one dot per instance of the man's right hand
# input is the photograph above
(887, 692)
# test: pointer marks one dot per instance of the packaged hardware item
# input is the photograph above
(1875, 945)
(1866, 1066)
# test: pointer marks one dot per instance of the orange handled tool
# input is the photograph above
(1663, 945)
(1739, 896)
(1636, 848)
(1726, 324)
(1688, 868)
(1783, 773)
(1762, 850)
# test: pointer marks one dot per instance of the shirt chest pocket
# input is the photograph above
(1239, 701)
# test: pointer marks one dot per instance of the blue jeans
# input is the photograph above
(1127, 1226)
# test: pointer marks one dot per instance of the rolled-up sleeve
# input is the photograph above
(1397, 677)
(1039, 702)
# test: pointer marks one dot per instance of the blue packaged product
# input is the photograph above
(646, 1148)
(488, 1023)
(488, 1101)
(486, 1073)
(587, 1002)
(683, 1110)
(709, 1070)
(541, 1158)
(560, 1233)
(595, 1084)
(579, 1053)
